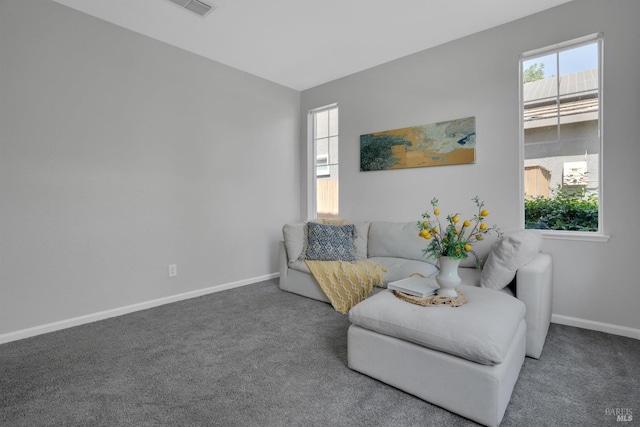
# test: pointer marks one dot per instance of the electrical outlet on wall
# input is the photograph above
(173, 270)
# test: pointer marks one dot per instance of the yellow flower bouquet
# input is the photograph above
(456, 238)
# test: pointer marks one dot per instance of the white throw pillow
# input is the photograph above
(507, 255)
(294, 239)
(360, 241)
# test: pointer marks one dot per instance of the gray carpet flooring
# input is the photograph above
(257, 356)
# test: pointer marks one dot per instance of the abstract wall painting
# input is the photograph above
(437, 144)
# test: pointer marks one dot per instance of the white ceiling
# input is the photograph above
(304, 43)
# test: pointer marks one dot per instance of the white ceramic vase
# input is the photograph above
(447, 277)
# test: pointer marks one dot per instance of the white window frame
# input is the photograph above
(312, 208)
(596, 236)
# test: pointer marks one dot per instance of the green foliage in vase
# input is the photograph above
(454, 240)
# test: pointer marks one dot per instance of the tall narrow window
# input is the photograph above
(561, 93)
(324, 137)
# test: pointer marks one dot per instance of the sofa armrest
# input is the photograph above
(298, 282)
(534, 287)
(283, 262)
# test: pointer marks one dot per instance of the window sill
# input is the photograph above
(575, 236)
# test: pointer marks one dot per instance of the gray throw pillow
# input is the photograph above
(330, 242)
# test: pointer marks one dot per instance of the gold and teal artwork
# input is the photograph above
(437, 144)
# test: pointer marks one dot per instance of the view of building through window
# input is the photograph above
(560, 115)
(325, 141)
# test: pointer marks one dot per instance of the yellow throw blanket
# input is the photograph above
(346, 283)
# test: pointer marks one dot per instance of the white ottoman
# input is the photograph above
(465, 359)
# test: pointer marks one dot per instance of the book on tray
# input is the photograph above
(417, 286)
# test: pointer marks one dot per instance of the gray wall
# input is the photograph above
(596, 283)
(120, 155)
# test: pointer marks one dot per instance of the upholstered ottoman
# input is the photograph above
(465, 359)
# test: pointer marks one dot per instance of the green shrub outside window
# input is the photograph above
(567, 209)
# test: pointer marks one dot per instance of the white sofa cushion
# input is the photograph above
(480, 330)
(400, 268)
(397, 239)
(508, 254)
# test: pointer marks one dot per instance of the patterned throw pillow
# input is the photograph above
(331, 242)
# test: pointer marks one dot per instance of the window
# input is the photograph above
(322, 166)
(561, 94)
(323, 197)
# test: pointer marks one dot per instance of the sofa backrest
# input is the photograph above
(379, 238)
(295, 239)
(396, 239)
(481, 249)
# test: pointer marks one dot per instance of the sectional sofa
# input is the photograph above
(513, 264)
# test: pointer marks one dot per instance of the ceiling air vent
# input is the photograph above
(196, 6)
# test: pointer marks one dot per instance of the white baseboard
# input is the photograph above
(94, 317)
(596, 326)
